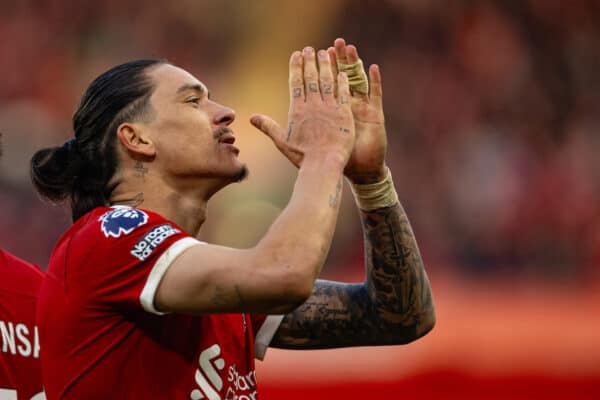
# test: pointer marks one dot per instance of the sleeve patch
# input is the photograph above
(151, 240)
(121, 221)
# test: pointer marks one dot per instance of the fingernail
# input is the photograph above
(308, 51)
(322, 54)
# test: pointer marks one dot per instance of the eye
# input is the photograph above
(194, 100)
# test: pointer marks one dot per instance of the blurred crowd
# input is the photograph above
(493, 113)
(491, 107)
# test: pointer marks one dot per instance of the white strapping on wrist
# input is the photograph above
(376, 195)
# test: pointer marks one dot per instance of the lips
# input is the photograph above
(227, 138)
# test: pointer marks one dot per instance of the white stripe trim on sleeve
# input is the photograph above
(265, 335)
(159, 269)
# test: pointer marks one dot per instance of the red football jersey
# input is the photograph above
(20, 376)
(101, 336)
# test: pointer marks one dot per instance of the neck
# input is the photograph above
(183, 204)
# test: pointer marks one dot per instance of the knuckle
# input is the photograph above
(296, 92)
(295, 114)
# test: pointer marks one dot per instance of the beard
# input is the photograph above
(242, 175)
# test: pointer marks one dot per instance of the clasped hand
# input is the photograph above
(328, 118)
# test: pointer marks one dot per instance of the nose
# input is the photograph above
(223, 116)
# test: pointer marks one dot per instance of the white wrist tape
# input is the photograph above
(376, 195)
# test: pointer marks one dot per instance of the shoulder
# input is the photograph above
(117, 235)
(108, 226)
(116, 222)
(19, 276)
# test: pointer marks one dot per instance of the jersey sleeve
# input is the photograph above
(264, 328)
(128, 252)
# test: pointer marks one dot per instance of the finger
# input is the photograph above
(359, 85)
(343, 89)
(352, 54)
(376, 87)
(333, 61)
(311, 83)
(334, 68)
(325, 76)
(269, 127)
(296, 80)
(340, 50)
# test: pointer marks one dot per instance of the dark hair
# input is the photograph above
(78, 171)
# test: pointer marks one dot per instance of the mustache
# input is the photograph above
(221, 131)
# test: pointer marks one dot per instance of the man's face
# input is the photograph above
(191, 132)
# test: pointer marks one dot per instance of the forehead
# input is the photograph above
(171, 81)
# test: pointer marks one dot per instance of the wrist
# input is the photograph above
(366, 178)
(330, 160)
(380, 194)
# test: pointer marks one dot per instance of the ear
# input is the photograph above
(132, 137)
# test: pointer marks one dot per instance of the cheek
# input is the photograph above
(184, 128)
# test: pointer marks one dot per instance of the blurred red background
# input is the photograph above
(492, 112)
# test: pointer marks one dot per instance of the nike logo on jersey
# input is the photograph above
(122, 221)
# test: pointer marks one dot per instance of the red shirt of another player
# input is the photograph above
(20, 376)
(102, 337)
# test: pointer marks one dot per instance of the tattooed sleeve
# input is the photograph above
(393, 306)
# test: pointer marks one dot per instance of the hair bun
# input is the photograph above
(51, 171)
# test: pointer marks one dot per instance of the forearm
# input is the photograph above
(300, 237)
(393, 306)
(396, 280)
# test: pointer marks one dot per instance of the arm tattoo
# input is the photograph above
(219, 297)
(289, 132)
(333, 198)
(393, 306)
(227, 298)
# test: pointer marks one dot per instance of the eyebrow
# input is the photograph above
(193, 86)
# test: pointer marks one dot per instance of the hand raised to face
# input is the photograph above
(320, 122)
(367, 162)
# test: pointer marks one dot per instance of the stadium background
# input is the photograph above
(492, 112)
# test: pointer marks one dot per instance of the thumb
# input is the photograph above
(268, 126)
